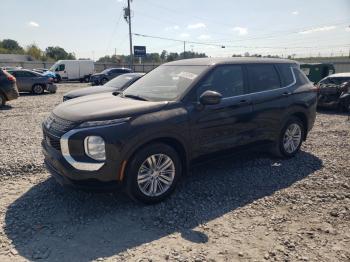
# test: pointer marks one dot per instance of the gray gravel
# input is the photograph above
(247, 207)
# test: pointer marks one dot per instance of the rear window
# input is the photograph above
(300, 77)
(263, 77)
(286, 74)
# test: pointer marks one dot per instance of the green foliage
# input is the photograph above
(11, 46)
(58, 53)
(34, 51)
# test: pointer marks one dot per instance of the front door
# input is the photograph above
(227, 124)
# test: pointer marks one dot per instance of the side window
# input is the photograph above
(300, 77)
(61, 67)
(227, 80)
(263, 77)
(286, 74)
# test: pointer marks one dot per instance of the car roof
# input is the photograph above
(123, 68)
(340, 75)
(209, 61)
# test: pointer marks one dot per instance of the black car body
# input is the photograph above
(117, 84)
(108, 74)
(150, 133)
(8, 87)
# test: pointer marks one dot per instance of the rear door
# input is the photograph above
(23, 81)
(227, 124)
(270, 94)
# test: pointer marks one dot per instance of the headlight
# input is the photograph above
(104, 122)
(94, 147)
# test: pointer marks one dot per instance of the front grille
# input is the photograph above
(59, 124)
(52, 141)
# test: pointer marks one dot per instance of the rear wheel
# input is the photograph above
(38, 89)
(152, 173)
(290, 139)
(2, 100)
(87, 79)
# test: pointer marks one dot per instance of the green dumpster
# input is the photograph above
(317, 71)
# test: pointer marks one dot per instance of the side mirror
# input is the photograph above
(210, 98)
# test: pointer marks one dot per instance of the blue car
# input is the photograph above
(56, 77)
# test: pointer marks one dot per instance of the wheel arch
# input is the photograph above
(171, 141)
(303, 118)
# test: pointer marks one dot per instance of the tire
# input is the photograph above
(103, 81)
(2, 100)
(140, 184)
(58, 79)
(282, 147)
(87, 79)
(37, 89)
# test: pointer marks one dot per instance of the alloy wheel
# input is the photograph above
(156, 175)
(292, 138)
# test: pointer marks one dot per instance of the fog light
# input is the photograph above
(95, 147)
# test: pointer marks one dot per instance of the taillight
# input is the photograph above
(11, 78)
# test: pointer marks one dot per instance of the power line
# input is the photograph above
(232, 46)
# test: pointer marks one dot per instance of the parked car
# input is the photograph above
(30, 81)
(117, 84)
(74, 70)
(334, 91)
(145, 137)
(11, 67)
(108, 74)
(8, 87)
(316, 71)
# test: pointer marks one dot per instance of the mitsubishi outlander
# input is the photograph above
(144, 138)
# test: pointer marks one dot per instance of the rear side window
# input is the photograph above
(227, 80)
(287, 77)
(263, 77)
(300, 77)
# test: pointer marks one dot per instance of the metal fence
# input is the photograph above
(98, 66)
(341, 65)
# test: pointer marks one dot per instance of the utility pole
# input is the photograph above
(184, 49)
(127, 17)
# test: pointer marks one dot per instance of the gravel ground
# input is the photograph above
(248, 207)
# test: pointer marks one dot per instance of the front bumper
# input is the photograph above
(75, 173)
(89, 184)
(51, 88)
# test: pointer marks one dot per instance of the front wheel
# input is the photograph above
(290, 139)
(152, 173)
(103, 81)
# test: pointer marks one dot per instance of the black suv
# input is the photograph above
(145, 137)
(108, 74)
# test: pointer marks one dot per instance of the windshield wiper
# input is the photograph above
(134, 97)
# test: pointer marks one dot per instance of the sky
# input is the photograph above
(94, 28)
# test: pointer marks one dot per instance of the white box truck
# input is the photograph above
(74, 69)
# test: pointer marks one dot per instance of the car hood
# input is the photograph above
(104, 106)
(90, 91)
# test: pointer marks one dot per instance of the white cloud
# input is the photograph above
(175, 27)
(347, 29)
(184, 35)
(196, 26)
(295, 13)
(33, 24)
(318, 29)
(241, 30)
(204, 37)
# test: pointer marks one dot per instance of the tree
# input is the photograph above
(11, 45)
(34, 51)
(163, 55)
(58, 53)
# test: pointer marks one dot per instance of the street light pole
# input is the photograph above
(130, 36)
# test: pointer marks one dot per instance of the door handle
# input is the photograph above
(241, 103)
(286, 94)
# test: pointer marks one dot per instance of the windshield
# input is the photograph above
(165, 83)
(106, 71)
(120, 81)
